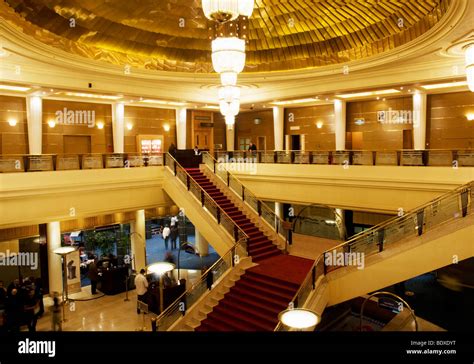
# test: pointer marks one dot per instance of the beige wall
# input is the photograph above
(246, 127)
(53, 138)
(149, 121)
(306, 119)
(448, 127)
(13, 139)
(378, 136)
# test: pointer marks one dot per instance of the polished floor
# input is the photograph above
(103, 313)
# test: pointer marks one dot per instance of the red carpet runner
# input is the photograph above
(255, 301)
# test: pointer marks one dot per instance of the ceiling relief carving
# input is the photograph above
(174, 35)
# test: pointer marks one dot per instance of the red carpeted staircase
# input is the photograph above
(259, 246)
(257, 298)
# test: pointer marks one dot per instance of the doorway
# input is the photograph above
(295, 142)
(202, 139)
(76, 144)
(262, 143)
(357, 140)
(408, 139)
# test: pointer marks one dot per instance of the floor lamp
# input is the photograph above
(63, 252)
(299, 319)
(160, 268)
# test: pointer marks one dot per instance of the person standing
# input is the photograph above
(166, 235)
(56, 320)
(93, 275)
(172, 150)
(141, 287)
(174, 236)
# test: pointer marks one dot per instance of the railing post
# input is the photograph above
(218, 216)
(313, 276)
(325, 267)
(214, 166)
(243, 193)
(228, 179)
(381, 238)
(188, 182)
(310, 157)
(464, 201)
(174, 166)
(419, 221)
(259, 208)
(233, 257)
(202, 198)
(236, 233)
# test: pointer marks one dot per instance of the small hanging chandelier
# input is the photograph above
(229, 100)
(223, 11)
(469, 54)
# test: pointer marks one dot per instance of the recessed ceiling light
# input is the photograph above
(369, 93)
(444, 85)
(211, 107)
(292, 102)
(163, 102)
(92, 96)
(14, 88)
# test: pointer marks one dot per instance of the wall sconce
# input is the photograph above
(129, 126)
(51, 123)
(100, 125)
(166, 127)
(12, 121)
(319, 124)
(470, 116)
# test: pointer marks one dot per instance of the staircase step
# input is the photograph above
(261, 249)
(266, 290)
(273, 310)
(248, 318)
(238, 318)
(260, 297)
(260, 257)
(274, 282)
(232, 323)
(266, 321)
(259, 244)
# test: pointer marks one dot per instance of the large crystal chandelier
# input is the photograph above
(228, 50)
(469, 54)
(228, 58)
(227, 10)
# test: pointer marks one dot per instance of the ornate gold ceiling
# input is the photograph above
(174, 35)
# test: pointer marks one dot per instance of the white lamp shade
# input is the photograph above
(470, 66)
(229, 108)
(221, 10)
(160, 267)
(229, 93)
(228, 78)
(64, 250)
(230, 120)
(246, 7)
(228, 55)
(299, 319)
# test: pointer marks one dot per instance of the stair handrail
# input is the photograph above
(279, 224)
(181, 303)
(312, 275)
(176, 165)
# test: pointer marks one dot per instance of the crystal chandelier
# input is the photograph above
(469, 54)
(223, 11)
(228, 58)
(229, 100)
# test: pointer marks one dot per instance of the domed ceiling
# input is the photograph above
(175, 36)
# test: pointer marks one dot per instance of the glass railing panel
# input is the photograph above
(442, 210)
(67, 162)
(362, 158)
(172, 314)
(114, 161)
(366, 244)
(235, 185)
(320, 157)
(155, 160)
(440, 158)
(466, 158)
(9, 164)
(283, 157)
(402, 228)
(268, 157)
(251, 200)
(37, 163)
(389, 158)
(91, 161)
(340, 157)
(301, 158)
(411, 158)
(135, 161)
(238, 155)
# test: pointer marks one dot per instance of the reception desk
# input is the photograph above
(112, 280)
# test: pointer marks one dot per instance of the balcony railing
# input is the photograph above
(449, 207)
(68, 162)
(406, 157)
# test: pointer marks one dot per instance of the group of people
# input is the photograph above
(170, 232)
(21, 303)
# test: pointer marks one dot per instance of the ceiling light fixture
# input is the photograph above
(93, 96)
(163, 102)
(368, 93)
(292, 102)
(223, 11)
(469, 54)
(444, 85)
(14, 88)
